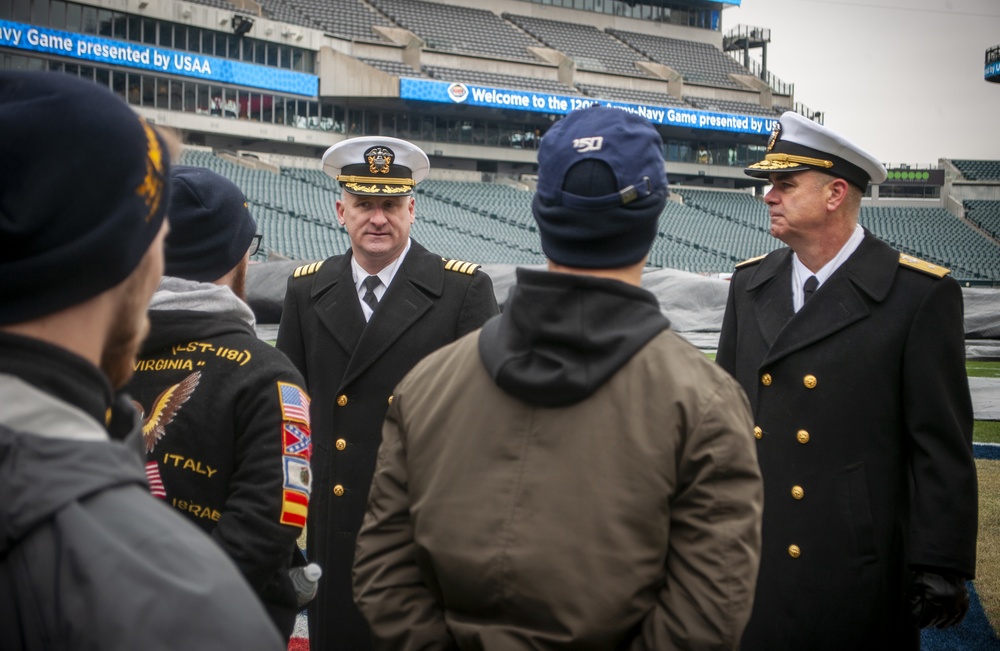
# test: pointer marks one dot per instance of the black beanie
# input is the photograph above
(210, 225)
(83, 192)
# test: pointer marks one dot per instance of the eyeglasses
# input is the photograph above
(255, 244)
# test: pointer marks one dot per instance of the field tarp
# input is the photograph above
(694, 304)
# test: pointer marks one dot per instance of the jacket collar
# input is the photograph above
(865, 277)
(419, 281)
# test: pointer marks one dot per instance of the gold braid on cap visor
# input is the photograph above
(345, 178)
(785, 161)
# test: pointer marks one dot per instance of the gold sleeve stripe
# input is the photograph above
(307, 269)
(745, 263)
(924, 266)
(461, 266)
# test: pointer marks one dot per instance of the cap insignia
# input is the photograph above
(775, 133)
(151, 188)
(379, 159)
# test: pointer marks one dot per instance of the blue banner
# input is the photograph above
(992, 71)
(426, 90)
(145, 57)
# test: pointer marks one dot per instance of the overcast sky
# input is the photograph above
(901, 78)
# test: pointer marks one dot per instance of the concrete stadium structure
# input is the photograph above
(260, 90)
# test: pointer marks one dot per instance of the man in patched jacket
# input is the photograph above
(574, 475)
(225, 417)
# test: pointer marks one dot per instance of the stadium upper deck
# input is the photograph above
(475, 87)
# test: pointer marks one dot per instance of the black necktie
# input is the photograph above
(808, 287)
(371, 282)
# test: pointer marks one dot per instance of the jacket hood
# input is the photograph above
(61, 457)
(182, 309)
(562, 336)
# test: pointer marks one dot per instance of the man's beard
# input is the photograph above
(128, 330)
(239, 283)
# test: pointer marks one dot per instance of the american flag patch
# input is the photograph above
(297, 475)
(294, 508)
(154, 479)
(294, 403)
(297, 440)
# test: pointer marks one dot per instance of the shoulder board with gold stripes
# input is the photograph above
(922, 265)
(747, 263)
(307, 269)
(461, 266)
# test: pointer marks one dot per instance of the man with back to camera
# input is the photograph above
(852, 355)
(354, 324)
(574, 475)
(88, 558)
(226, 421)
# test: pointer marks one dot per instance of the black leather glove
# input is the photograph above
(938, 599)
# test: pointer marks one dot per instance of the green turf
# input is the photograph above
(982, 368)
(986, 431)
(988, 555)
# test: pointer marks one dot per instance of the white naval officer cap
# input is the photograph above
(376, 165)
(798, 144)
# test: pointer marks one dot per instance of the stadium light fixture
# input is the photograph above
(241, 24)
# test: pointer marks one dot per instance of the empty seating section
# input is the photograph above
(458, 29)
(979, 170)
(294, 211)
(491, 223)
(627, 95)
(730, 106)
(285, 11)
(454, 232)
(347, 18)
(985, 214)
(588, 46)
(497, 215)
(501, 80)
(698, 63)
(738, 223)
(937, 236)
(397, 68)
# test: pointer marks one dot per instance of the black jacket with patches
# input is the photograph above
(214, 430)
(351, 369)
(864, 437)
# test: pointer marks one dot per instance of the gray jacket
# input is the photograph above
(89, 559)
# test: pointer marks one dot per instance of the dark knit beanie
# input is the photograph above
(83, 192)
(602, 185)
(210, 225)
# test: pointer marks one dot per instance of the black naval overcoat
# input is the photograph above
(351, 369)
(864, 426)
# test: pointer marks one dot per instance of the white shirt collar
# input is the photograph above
(800, 272)
(386, 274)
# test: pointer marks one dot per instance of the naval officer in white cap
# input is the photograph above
(852, 355)
(354, 324)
